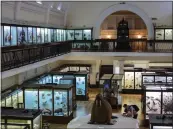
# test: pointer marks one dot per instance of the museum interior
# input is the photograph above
(86, 65)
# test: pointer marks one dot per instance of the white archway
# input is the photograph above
(119, 7)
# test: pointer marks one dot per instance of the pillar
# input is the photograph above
(118, 68)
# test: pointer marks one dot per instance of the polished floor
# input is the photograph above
(84, 107)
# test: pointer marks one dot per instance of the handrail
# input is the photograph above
(13, 58)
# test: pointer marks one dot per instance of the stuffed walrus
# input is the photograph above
(101, 111)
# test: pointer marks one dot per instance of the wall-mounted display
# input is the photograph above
(78, 35)
(46, 35)
(129, 80)
(159, 34)
(45, 101)
(87, 34)
(148, 79)
(34, 35)
(138, 80)
(167, 103)
(42, 35)
(168, 34)
(30, 35)
(160, 79)
(31, 98)
(46, 79)
(13, 36)
(7, 36)
(70, 34)
(153, 103)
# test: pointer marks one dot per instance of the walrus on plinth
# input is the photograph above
(101, 111)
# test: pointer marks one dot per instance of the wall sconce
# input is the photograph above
(139, 36)
(108, 36)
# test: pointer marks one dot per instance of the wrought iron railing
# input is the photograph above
(19, 57)
(109, 45)
(30, 54)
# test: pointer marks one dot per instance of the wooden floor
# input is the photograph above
(84, 107)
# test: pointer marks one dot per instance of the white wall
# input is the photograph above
(87, 13)
(30, 14)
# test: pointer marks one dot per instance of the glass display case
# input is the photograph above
(14, 100)
(34, 35)
(55, 35)
(159, 33)
(13, 35)
(49, 35)
(45, 79)
(56, 78)
(46, 35)
(45, 101)
(105, 81)
(158, 99)
(138, 80)
(25, 35)
(87, 34)
(163, 33)
(30, 34)
(129, 80)
(7, 36)
(67, 80)
(19, 117)
(78, 35)
(52, 36)
(31, 98)
(70, 34)
(58, 34)
(38, 35)
(80, 85)
(42, 35)
(168, 34)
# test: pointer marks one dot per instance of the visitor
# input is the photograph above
(131, 111)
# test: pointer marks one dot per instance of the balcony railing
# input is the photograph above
(19, 57)
(109, 45)
(13, 58)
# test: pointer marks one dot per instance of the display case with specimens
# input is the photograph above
(163, 33)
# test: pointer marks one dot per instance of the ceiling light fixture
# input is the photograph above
(39, 2)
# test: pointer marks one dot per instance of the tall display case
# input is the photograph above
(163, 33)
(17, 118)
(13, 99)
(158, 99)
(55, 101)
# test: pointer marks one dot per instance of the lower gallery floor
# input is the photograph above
(85, 107)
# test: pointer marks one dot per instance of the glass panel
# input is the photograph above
(7, 36)
(24, 33)
(167, 103)
(38, 35)
(55, 35)
(30, 34)
(34, 35)
(64, 36)
(168, 34)
(45, 101)
(46, 79)
(49, 36)
(138, 80)
(2, 39)
(8, 101)
(129, 80)
(31, 98)
(66, 81)
(160, 79)
(60, 103)
(153, 103)
(14, 35)
(14, 100)
(70, 34)
(37, 122)
(56, 79)
(58, 35)
(61, 35)
(20, 96)
(51, 32)
(42, 35)
(46, 35)
(78, 34)
(159, 34)
(169, 79)
(19, 35)
(148, 79)
(87, 34)
(3, 103)
(70, 102)
(80, 85)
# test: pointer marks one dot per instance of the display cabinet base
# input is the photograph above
(57, 119)
(81, 98)
(132, 91)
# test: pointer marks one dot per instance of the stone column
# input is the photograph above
(118, 68)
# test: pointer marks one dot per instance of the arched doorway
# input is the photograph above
(128, 7)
